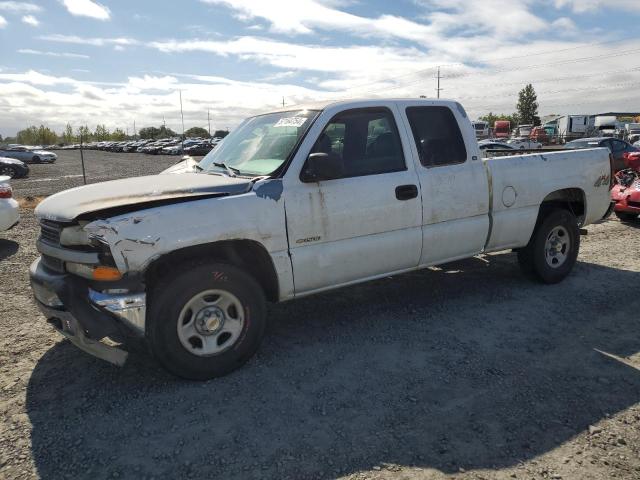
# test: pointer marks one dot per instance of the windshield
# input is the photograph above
(260, 144)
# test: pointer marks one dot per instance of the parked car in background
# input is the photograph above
(486, 146)
(28, 154)
(626, 192)
(10, 167)
(617, 147)
(9, 209)
(199, 149)
(524, 143)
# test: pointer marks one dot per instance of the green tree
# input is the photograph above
(68, 136)
(118, 135)
(491, 118)
(37, 136)
(155, 132)
(220, 133)
(528, 106)
(84, 134)
(197, 132)
(148, 133)
(101, 133)
(166, 132)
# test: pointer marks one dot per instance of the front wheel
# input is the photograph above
(626, 216)
(8, 171)
(206, 321)
(553, 248)
(36, 159)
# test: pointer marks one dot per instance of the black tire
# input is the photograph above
(626, 216)
(533, 258)
(8, 170)
(170, 296)
(36, 159)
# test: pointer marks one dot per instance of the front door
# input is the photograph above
(367, 220)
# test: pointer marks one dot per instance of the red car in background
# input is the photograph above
(626, 191)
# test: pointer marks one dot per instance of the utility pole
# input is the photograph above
(135, 135)
(182, 116)
(282, 102)
(84, 173)
(438, 88)
(209, 122)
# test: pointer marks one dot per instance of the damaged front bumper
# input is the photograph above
(96, 322)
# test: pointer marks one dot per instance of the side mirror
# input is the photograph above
(322, 166)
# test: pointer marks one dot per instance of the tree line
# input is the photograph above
(43, 135)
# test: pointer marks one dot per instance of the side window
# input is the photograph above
(437, 136)
(363, 142)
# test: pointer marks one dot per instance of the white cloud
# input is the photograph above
(29, 51)
(20, 7)
(87, 8)
(149, 82)
(3, 22)
(302, 16)
(96, 42)
(583, 6)
(30, 20)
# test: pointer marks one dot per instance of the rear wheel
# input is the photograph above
(626, 216)
(206, 321)
(8, 171)
(35, 159)
(553, 248)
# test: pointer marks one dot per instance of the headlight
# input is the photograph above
(74, 236)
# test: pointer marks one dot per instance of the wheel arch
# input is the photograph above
(247, 254)
(571, 199)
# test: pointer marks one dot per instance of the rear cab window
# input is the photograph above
(437, 136)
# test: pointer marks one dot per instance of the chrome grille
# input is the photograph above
(50, 232)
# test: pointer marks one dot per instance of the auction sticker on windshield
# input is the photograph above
(291, 122)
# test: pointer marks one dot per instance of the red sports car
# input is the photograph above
(626, 191)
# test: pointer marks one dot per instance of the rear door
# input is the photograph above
(367, 221)
(453, 179)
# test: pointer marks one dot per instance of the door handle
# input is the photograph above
(406, 192)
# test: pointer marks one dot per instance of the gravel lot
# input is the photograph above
(468, 371)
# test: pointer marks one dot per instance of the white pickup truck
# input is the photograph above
(292, 203)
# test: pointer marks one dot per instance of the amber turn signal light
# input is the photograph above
(107, 274)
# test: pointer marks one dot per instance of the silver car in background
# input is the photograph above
(27, 154)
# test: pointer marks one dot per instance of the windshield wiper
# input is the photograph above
(232, 172)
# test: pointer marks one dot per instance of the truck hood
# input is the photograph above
(66, 206)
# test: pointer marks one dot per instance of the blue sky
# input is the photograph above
(114, 62)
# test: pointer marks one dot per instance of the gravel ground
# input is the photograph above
(468, 371)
